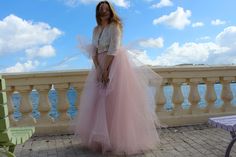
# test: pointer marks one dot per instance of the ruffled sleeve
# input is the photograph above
(114, 39)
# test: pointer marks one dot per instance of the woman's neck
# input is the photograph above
(104, 23)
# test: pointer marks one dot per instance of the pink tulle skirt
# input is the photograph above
(116, 118)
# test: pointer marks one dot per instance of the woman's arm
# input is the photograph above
(95, 60)
(113, 47)
(98, 68)
(105, 72)
(108, 62)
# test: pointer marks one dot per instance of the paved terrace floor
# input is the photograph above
(188, 141)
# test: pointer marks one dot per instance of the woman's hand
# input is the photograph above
(99, 74)
(105, 77)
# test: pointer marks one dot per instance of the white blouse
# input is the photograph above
(106, 39)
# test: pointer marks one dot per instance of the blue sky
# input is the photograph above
(41, 35)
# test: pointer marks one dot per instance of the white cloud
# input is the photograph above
(152, 42)
(45, 51)
(121, 3)
(74, 3)
(204, 38)
(197, 24)
(163, 3)
(22, 67)
(141, 56)
(18, 35)
(227, 37)
(189, 53)
(220, 51)
(178, 19)
(217, 22)
(184, 54)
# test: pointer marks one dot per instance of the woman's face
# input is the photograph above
(104, 11)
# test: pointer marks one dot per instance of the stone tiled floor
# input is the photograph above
(194, 141)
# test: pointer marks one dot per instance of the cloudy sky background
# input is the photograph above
(41, 35)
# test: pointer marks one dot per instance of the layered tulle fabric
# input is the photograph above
(119, 117)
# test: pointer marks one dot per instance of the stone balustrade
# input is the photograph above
(188, 95)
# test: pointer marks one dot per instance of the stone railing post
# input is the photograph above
(25, 106)
(63, 104)
(226, 94)
(210, 94)
(177, 97)
(194, 97)
(44, 105)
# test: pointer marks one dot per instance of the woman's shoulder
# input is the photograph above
(95, 29)
(114, 26)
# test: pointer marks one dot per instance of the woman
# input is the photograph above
(114, 114)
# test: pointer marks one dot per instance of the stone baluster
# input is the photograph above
(226, 94)
(63, 104)
(25, 108)
(210, 94)
(44, 105)
(168, 92)
(160, 99)
(177, 97)
(79, 88)
(10, 106)
(194, 97)
(34, 97)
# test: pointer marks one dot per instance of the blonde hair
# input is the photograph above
(113, 18)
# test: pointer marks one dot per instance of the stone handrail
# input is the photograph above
(53, 116)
